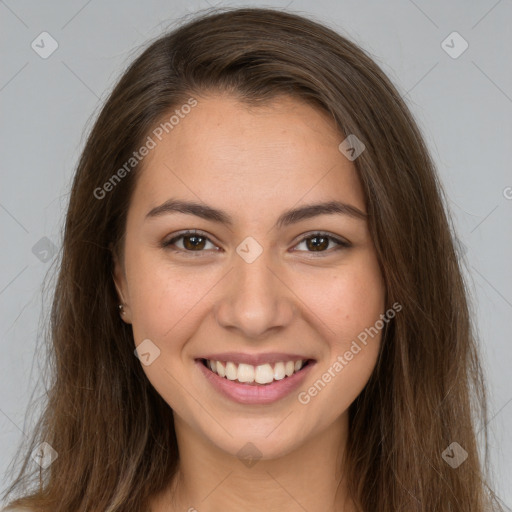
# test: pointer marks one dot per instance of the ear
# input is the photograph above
(120, 283)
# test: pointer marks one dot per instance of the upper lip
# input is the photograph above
(255, 359)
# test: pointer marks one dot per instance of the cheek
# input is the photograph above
(162, 296)
(360, 306)
(352, 309)
(355, 348)
(345, 300)
(165, 308)
(349, 303)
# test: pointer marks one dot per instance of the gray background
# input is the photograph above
(463, 106)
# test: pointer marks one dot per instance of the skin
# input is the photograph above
(253, 163)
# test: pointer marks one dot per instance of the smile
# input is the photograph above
(249, 374)
(267, 380)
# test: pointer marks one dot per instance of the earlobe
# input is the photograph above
(119, 278)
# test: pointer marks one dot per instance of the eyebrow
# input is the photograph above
(287, 218)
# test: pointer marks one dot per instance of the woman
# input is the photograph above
(258, 291)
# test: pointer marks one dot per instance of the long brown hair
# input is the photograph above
(113, 433)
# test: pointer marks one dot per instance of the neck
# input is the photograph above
(307, 478)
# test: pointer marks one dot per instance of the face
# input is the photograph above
(262, 292)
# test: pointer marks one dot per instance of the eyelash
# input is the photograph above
(342, 244)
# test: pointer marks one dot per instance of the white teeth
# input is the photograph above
(248, 374)
(264, 374)
(231, 371)
(289, 368)
(245, 373)
(279, 371)
(221, 369)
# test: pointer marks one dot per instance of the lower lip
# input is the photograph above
(259, 393)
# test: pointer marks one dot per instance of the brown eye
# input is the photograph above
(319, 242)
(191, 242)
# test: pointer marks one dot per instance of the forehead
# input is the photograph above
(224, 152)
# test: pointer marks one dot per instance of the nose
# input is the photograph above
(255, 299)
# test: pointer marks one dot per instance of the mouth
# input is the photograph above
(256, 375)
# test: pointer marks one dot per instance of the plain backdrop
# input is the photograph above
(461, 97)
